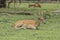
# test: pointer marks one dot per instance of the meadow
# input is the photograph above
(48, 31)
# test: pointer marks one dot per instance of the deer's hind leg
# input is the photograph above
(33, 27)
(24, 26)
(9, 2)
(18, 26)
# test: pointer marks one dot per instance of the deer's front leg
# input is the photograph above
(9, 2)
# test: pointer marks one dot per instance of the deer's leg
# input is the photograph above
(24, 26)
(9, 3)
(34, 27)
(31, 27)
(17, 26)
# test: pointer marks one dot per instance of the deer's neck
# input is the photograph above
(38, 23)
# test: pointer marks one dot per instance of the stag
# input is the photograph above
(10, 1)
(29, 24)
(35, 5)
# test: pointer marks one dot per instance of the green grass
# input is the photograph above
(48, 31)
(24, 6)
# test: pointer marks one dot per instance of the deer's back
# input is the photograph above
(27, 22)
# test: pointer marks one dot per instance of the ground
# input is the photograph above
(48, 31)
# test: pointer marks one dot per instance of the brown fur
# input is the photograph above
(35, 5)
(28, 24)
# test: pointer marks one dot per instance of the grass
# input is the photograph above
(48, 31)
(24, 6)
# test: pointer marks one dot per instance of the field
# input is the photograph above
(48, 31)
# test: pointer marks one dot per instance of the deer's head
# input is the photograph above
(41, 19)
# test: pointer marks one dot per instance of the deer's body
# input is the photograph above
(35, 5)
(25, 23)
(28, 24)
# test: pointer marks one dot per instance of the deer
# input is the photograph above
(29, 24)
(10, 1)
(35, 5)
